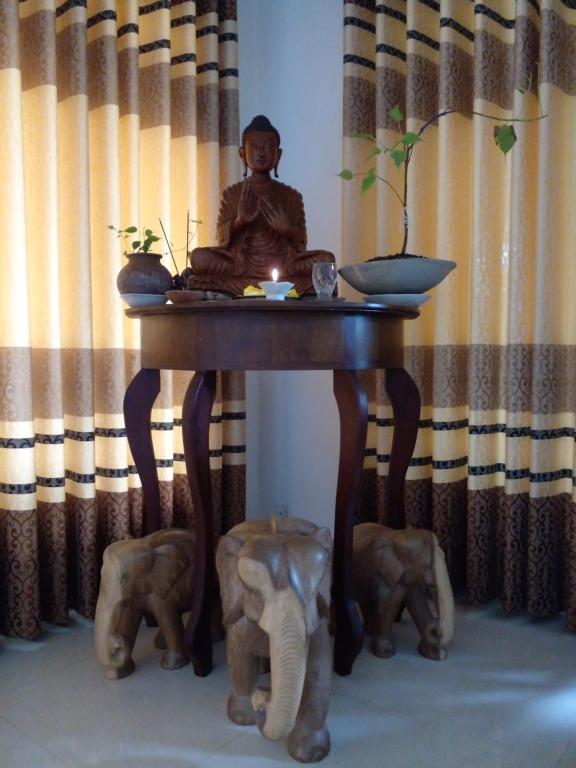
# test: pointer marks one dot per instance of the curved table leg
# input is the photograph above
(195, 426)
(138, 401)
(405, 400)
(353, 409)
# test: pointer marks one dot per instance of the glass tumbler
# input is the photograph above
(324, 279)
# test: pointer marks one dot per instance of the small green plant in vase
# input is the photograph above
(143, 244)
(374, 276)
(144, 279)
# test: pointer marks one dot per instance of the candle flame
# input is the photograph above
(275, 275)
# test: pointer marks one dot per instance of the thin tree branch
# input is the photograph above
(388, 184)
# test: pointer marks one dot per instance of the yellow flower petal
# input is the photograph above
(252, 290)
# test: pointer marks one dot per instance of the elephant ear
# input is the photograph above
(231, 587)
(387, 563)
(324, 537)
(169, 563)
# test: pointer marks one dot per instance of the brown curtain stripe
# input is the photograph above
(138, 103)
(497, 68)
(39, 68)
(493, 354)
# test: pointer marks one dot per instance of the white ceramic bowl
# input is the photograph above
(409, 275)
(143, 299)
(403, 300)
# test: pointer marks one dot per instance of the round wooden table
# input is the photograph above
(257, 334)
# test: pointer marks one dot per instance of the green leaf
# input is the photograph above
(410, 138)
(111, 226)
(147, 232)
(375, 151)
(135, 245)
(131, 230)
(399, 156)
(396, 114)
(368, 180)
(505, 137)
(346, 174)
(153, 238)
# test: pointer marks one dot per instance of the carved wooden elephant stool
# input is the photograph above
(397, 568)
(155, 574)
(275, 587)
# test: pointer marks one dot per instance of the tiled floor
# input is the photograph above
(505, 698)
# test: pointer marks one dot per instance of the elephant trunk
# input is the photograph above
(112, 645)
(284, 622)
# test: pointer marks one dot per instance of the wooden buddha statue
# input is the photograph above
(261, 225)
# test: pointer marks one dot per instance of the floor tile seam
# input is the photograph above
(133, 695)
(368, 703)
(65, 762)
(57, 758)
(378, 708)
(510, 756)
(130, 697)
(563, 755)
(215, 752)
(53, 667)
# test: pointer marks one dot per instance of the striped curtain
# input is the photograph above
(113, 112)
(494, 352)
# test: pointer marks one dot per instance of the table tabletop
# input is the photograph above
(258, 334)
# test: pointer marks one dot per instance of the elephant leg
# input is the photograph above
(430, 644)
(309, 740)
(244, 672)
(387, 610)
(172, 633)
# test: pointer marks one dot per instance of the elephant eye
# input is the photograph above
(253, 604)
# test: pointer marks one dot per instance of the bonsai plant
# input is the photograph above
(368, 278)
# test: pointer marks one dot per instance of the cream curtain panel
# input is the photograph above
(112, 112)
(493, 353)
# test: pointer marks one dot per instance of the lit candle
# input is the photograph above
(275, 275)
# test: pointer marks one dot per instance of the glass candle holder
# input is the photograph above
(274, 290)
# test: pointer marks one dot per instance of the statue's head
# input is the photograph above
(260, 150)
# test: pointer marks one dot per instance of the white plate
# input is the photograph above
(404, 300)
(143, 299)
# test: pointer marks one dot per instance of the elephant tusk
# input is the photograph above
(260, 699)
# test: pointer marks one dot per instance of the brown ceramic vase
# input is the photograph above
(144, 273)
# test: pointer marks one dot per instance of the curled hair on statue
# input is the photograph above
(262, 124)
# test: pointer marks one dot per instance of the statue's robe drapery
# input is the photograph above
(247, 256)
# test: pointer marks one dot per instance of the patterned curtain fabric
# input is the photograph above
(493, 353)
(113, 112)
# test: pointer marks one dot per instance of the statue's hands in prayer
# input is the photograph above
(247, 205)
(275, 217)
